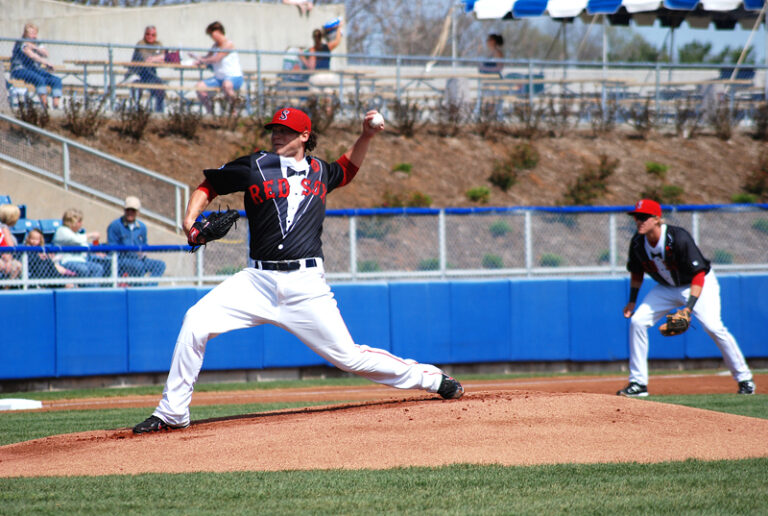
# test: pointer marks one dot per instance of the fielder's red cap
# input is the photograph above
(291, 118)
(648, 207)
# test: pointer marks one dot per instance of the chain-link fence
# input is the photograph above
(397, 244)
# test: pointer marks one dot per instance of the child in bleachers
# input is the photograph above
(44, 265)
(10, 268)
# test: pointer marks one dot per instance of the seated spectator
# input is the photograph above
(313, 58)
(494, 55)
(128, 230)
(29, 63)
(71, 233)
(227, 73)
(43, 265)
(304, 5)
(10, 268)
(148, 75)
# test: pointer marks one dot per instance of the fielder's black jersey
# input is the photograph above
(284, 201)
(682, 257)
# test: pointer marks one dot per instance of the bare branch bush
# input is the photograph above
(322, 110)
(407, 115)
(182, 121)
(84, 116)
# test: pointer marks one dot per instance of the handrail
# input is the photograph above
(179, 202)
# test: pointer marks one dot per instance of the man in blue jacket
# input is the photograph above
(128, 230)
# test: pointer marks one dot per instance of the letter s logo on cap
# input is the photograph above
(284, 114)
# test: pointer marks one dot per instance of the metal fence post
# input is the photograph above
(200, 263)
(65, 164)
(530, 85)
(25, 270)
(111, 77)
(695, 226)
(612, 242)
(259, 86)
(657, 95)
(353, 246)
(113, 261)
(442, 249)
(528, 243)
(398, 62)
(177, 206)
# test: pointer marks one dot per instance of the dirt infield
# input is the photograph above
(513, 422)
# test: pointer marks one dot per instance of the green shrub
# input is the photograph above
(392, 200)
(27, 110)
(722, 256)
(376, 228)
(229, 270)
(760, 225)
(591, 184)
(757, 181)
(182, 121)
(604, 256)
(524, 156)
(656, 169)
(429, 264)
(492, 261)
(479, 194)
(499, 228)
(403, 167)
(671, 194)
(368, 266)
(744, 198)
(419, 200)
(503, 175)
(550, 260)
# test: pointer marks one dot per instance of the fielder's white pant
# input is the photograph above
(659, 301)
(298, 301)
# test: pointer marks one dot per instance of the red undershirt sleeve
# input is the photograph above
(206, 187)
(698, 279)
(349, 168)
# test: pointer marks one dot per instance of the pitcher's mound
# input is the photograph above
(510, 428)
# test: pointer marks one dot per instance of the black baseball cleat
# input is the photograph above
(634, 390)
(154, 424)
(450, 388)
(747, 387)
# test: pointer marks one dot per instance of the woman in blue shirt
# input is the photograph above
(29, 63)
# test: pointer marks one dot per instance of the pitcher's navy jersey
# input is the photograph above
(284, 200)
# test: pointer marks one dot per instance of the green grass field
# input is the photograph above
(690, 487)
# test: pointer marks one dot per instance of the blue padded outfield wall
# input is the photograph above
(82, 332)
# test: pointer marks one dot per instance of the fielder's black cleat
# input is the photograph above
(450, 388)
(634, 390)
(154, 424)
(747, 387)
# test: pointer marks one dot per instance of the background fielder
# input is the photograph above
(284, 194)
(670, 256)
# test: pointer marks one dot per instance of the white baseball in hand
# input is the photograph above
(377, 122)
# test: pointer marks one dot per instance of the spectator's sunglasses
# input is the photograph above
(642, 217)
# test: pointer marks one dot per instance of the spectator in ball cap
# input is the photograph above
(128, 230)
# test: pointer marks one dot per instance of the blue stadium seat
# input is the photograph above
(48, 227)
(23, 210)
(5, 199)
(22, 227)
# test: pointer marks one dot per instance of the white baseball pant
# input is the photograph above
(300, 302)
(659, 301)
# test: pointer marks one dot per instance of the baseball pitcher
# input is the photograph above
(284, 195)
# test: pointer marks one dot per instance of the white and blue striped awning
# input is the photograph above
(725, 14)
